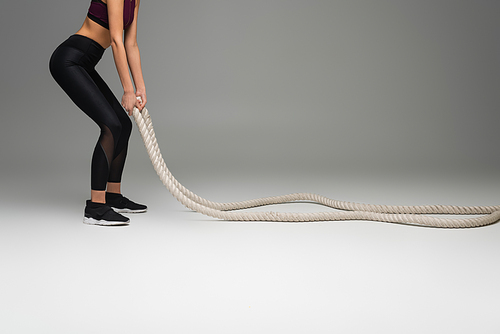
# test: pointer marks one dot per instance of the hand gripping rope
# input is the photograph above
(411, 215)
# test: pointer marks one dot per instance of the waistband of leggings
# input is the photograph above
(84, 44)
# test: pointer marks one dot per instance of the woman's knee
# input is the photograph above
(121, 128)
(126, 126)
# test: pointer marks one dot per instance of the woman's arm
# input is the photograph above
(115, 18)
(134, 59)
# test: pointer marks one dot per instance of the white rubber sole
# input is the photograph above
(128, 210)
(92, 221)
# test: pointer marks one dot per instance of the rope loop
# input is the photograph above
(409, 215)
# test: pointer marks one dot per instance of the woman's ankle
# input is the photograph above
(98, 196)
(114, 187)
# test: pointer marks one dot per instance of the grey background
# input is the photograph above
(298, 86)
(391, 102)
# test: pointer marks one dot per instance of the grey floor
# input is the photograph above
(176, 271)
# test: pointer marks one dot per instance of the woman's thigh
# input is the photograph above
(79, 85)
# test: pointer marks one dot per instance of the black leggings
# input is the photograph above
(73, 67)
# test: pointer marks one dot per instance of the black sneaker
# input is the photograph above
(122, 204)
(102, 214)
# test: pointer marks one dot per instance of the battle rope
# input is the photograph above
(411, 215)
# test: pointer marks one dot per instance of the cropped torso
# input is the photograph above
(98, 12)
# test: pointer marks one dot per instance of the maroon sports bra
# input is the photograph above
(98, 12)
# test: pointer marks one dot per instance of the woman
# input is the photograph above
(108, 23)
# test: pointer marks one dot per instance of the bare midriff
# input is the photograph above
(96, 32)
